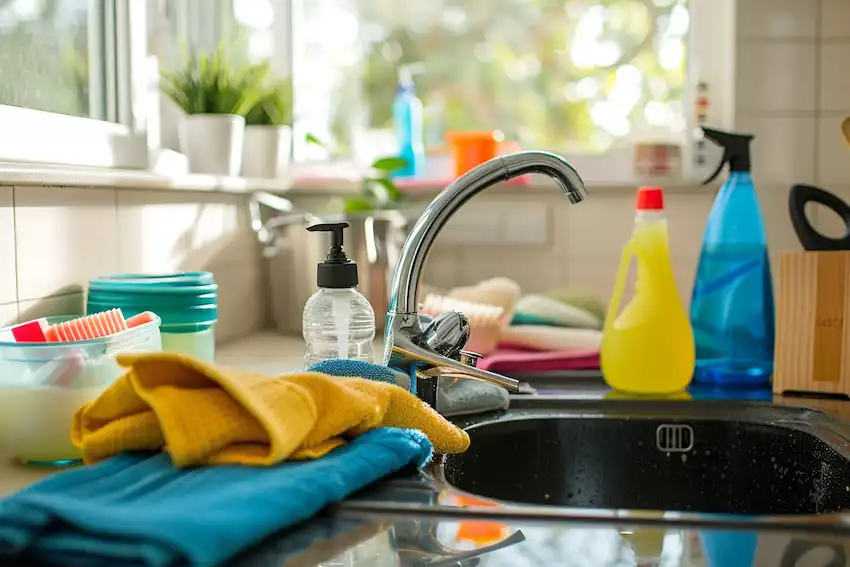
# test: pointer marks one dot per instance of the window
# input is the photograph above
(571, 76)
(576, 76)
(67, 69)
(44, 58)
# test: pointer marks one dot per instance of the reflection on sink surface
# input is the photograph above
(690, 457)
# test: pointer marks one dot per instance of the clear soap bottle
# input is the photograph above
(338, 321)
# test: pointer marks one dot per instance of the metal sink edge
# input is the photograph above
(421, 493)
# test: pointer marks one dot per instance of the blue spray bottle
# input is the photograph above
(407, 123)
(732, 302)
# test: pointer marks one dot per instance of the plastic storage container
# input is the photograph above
(187, 303)
(471, 149)
(43, 384)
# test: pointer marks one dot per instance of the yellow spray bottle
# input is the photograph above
(648, 347)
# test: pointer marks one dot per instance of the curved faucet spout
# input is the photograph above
(424, 232)
(405, 343)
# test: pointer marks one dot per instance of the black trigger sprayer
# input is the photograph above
(736, 150)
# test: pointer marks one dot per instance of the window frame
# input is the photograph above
(115, 136)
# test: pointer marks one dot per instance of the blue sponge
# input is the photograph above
(354, 369)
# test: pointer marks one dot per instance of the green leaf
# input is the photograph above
(211, 83)
(311, 139)
(389, 188)
(358, 205)
(389, 164)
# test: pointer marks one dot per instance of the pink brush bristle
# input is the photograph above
(140, 319)
(89, 327)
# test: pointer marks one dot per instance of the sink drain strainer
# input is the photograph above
(674, 438)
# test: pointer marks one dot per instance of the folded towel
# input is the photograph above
(200, 413)
(553, 312)
(137, 509)
(583, 299)
(544, 337)
(526, 362)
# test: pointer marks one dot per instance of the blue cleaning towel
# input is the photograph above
(138, 510)
(354, 369)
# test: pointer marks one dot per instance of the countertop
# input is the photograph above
(357, 538)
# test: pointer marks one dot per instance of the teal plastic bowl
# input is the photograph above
(187, 304)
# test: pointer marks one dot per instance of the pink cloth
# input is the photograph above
(529, 361)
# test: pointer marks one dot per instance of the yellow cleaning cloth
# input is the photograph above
(203, 414)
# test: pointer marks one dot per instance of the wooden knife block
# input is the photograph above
(813, 324)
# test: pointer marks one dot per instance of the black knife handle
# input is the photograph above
(809, 237)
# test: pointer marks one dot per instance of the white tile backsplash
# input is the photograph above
(60, 237)
(833, 159)
(777, 19)
(834, 16)
(8, 278)
(162, 232)
(783, 150)
(8, 314)
(834, 77)
(774, 77)
(64, 236)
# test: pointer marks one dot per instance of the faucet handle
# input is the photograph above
(447, 334)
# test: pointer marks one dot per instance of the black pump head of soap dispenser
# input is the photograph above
(337, 271)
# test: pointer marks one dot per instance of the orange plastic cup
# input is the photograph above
(470, 149)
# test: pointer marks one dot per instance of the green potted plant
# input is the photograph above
(268, 132)
(215, 94)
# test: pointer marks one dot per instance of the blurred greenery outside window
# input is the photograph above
(572, 76)
(44, 57)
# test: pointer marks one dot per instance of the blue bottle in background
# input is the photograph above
(407, 123)
(732, 302)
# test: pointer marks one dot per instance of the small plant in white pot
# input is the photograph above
(268, 134)
(215, 94)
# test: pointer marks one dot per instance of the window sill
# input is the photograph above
(19, 174)
(344, 184)
(304, 181)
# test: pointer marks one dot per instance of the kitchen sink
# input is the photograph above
(704, 457)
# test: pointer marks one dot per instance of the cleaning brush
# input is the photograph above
(485, 321)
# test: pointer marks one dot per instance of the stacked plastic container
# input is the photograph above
(42, 384)
(186, 302)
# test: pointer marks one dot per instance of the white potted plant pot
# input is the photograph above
(266, 151)
(212, 142)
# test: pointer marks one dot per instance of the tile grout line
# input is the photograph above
(818, 72)
(15, 252)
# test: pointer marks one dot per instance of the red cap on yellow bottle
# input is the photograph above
(650, 199)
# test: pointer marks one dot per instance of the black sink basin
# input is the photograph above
(733, 458)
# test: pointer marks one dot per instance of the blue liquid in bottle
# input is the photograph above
(732, 309)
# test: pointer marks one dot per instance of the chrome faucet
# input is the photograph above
(436, 349)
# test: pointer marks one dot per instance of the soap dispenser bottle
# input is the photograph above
(732, 301)
(338, 320)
